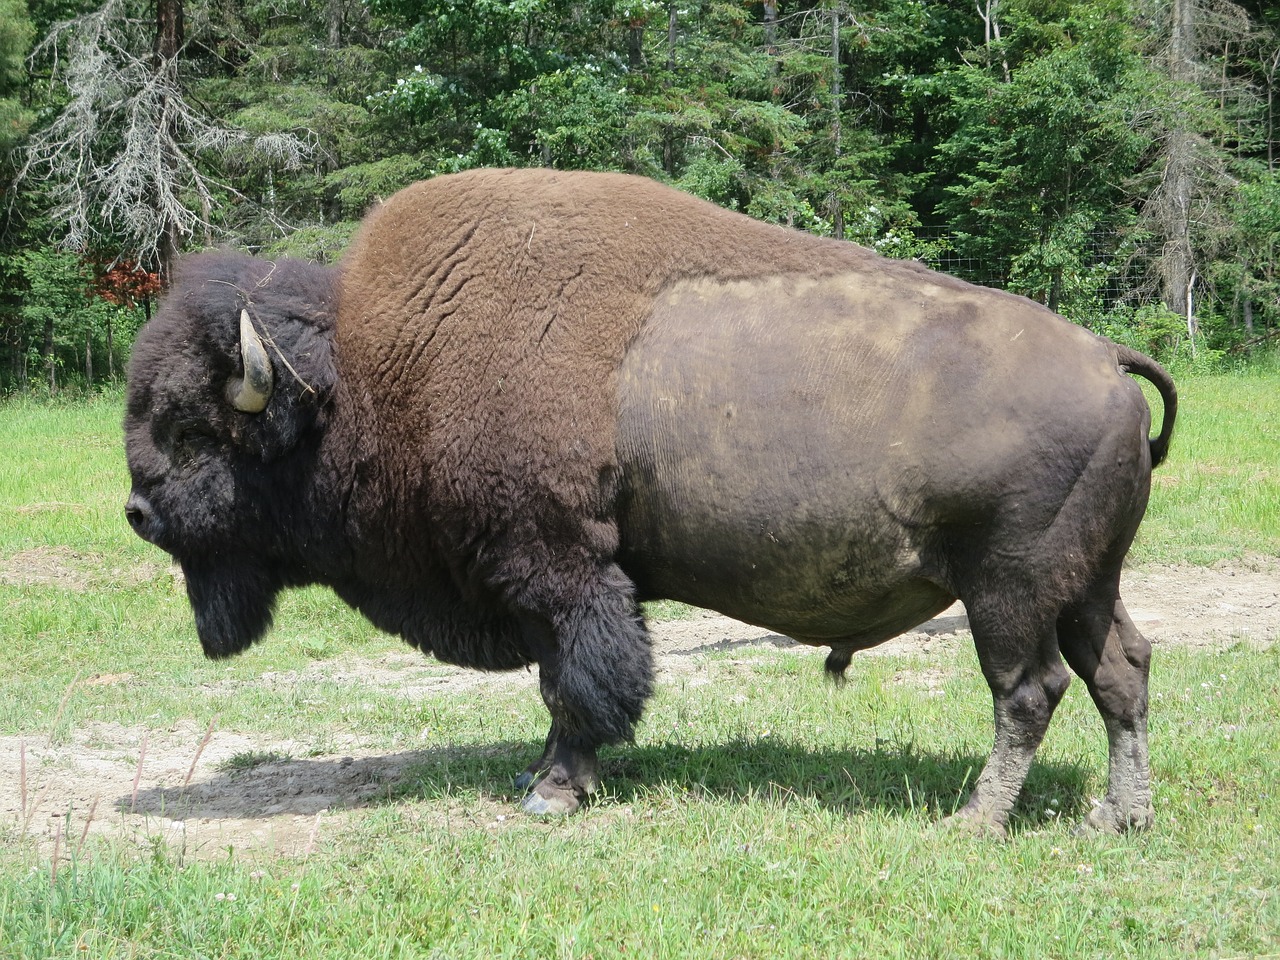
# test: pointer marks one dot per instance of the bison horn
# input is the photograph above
(250, 394)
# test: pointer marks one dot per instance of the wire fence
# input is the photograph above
(1107, 274)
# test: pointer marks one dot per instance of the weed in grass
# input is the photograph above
(137, 776)
(317, 649)
(61, 726)
(208, 735)
(249, 759)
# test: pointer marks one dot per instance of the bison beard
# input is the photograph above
(528, 399)
(232, 604)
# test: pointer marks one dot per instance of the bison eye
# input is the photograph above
(185, 442)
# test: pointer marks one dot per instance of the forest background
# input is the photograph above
(1115, 159)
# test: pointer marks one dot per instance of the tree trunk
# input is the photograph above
(669, 136)
(1178, 187)
(46, 355)
(1272, 71)
(635, 45)
(170, 31)
(1193, 324)
(111, 347)
(88, 358)
(771, 33)
(334, 20)
(1178, 259)
(837, 208)
(991, 31)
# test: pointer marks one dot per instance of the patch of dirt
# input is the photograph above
(68, 569)
(46, 567)
(203, 792)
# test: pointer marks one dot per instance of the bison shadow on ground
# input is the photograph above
(899, 780)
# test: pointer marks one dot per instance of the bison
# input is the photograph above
(527, 400)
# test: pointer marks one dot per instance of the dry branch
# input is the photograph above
(127, 157)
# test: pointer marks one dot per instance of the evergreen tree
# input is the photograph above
(16, 33)
(1042, 140)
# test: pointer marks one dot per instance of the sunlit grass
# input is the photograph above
(1218, 495)
(763, 812)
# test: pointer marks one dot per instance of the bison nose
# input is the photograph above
(137, 510)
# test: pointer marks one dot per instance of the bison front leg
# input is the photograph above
(571, 776)
(540, 766)
(1027, 680)
(595, 667)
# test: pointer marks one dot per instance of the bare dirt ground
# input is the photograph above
(175, 786)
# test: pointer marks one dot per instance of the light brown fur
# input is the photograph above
(488, 314)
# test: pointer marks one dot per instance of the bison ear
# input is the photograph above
(250, 393)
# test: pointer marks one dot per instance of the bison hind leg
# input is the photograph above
(1102, 645)
(1017, 647)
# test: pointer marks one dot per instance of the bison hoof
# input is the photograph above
(1110, 819)
(524, 781)
(559, 804)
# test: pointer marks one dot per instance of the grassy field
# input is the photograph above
(762, 812)
(1218, 495)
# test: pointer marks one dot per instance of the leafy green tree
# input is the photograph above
(496, 82)
(1249, 274)
(1035, 163)
(66, 326)
(311, 72)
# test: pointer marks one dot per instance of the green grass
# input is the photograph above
(1218, 495)
(774, 816)
(762, 812)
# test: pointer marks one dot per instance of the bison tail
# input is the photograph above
(1131, 361)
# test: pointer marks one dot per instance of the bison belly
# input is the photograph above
(806, 455)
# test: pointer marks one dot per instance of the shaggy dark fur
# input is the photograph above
(529, 397)
(208, 479)
(250, 504)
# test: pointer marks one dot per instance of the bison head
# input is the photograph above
(229, 389)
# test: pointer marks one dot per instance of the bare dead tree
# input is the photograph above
(988, 10)
(128, 157)
(1185, 209)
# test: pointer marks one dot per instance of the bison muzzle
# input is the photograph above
(528, 400)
